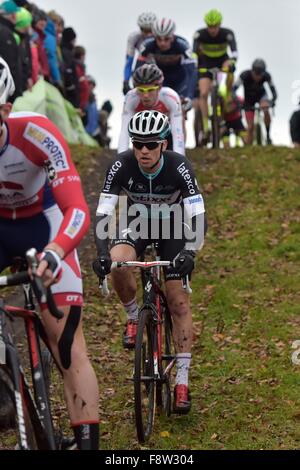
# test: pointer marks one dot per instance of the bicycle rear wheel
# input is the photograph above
(144, 380)
(259, 134)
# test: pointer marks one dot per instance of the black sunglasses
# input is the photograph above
(149, 145)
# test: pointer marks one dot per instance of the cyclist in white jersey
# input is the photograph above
(149, 94)
(134, 43)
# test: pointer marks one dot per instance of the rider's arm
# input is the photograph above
(145, 52)
(189, 62)
(272, 88)
(107, 203)
(195, 221)
(237, 84)
(128, 68)
(130, 105)
(130, 51)
(54, 155)
(232, 44)
(172, 101)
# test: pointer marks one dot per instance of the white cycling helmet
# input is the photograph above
(7, 85)
(147, 126)
(145, 20)
(163, 27)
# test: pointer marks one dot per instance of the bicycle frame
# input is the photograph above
(152, 296)
(216, 115)
(37, 408)
(28, 408)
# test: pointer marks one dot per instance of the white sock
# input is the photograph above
(183, 361)
(132, 310)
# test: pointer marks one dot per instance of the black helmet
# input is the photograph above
(148, 74)
(259, 66)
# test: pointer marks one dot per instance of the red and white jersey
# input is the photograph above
(36, 173)
(168, 103)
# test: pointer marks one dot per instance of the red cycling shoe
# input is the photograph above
(182, 400)
(129, 334)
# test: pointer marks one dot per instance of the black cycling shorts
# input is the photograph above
(167, 248)
(209, 63)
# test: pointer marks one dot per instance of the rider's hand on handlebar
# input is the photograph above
(184, 262)
(102, 266)
(49, 268)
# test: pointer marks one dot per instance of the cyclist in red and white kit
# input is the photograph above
(149, 94)
(42, 206)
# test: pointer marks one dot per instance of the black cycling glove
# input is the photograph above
(102, 265)
(184, 262)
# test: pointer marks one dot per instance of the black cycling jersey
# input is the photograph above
(177, 64)
(254, 91)
(208, 47)
(172, 185)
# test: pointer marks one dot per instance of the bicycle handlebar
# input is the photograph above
(143, 265)
(43, 294)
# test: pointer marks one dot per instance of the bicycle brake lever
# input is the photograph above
(186, 285)
(103, 286)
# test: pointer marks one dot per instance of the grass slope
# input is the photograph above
(246, 391)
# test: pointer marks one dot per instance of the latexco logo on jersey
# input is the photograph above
(49, 145)
(185, 173)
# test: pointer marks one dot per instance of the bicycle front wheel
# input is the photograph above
(144, 379)
(215, 125)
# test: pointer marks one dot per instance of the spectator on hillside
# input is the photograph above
(295, 127)
(39, 23)
(104, 114)
(9, 49)
(50, 44)
(84, 89)
(23, 29)
(92, 113)
(70, 78)
(59, 27)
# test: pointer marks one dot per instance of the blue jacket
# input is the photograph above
(50, 44)
(92, 118)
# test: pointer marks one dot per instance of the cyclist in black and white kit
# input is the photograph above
(153, 180)
(254, 81)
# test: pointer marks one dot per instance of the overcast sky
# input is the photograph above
(267, 29)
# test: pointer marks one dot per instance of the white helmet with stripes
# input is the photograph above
(7, 85)
(145, 20)
(164, 27)
(149, 126)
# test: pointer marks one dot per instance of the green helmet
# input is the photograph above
(213, 18)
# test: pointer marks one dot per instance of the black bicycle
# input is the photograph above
(259, 136)
(154, 348)
(216, 103)
(32, 410)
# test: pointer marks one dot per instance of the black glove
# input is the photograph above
(126, 87)
(273, 103)
(184, 262)
(102, 265)
(53, 260)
